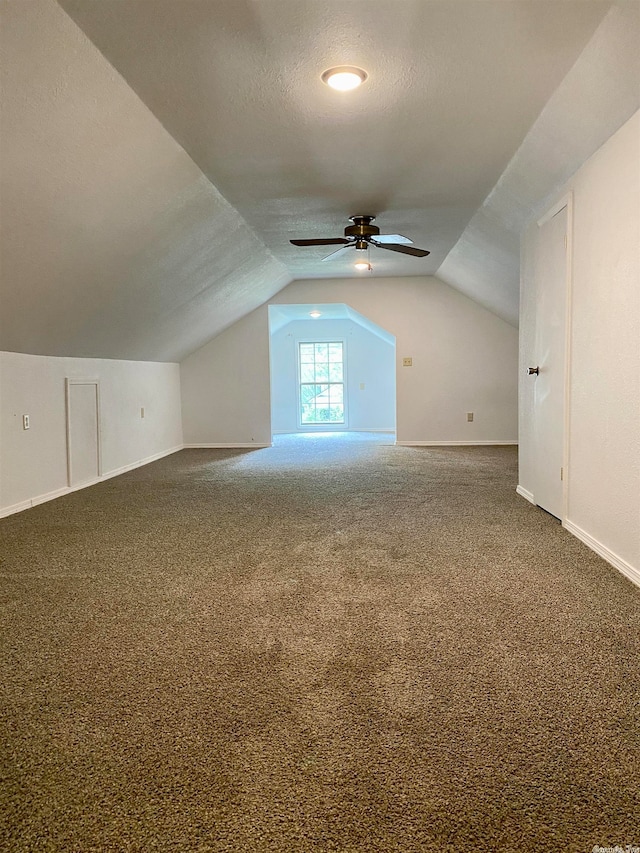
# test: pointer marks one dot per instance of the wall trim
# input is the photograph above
(66, 490)
(10, 510)
(56, 493)
(350, 429)
(617, 562)
(526, 494)
(452, 443)
(133, 465)
(222, 446)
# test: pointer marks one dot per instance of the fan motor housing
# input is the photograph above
(362, 227)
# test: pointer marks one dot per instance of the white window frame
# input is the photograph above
(322, 339)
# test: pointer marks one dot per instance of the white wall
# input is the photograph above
(603, 476)
(464, 357)
(33, 462)
(369, 361)
(225, 386)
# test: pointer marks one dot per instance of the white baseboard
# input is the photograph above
(228, 446)
(10, 510)
(526, 494)
(332, 429)
(57, 493)
(139, 464)
(373, 429)
(617, 562)
(452, 443)
(66, 490)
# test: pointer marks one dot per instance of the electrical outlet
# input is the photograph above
(25, 422)
(362, 386)
(142, 411)
(469, 417)
(407, 362)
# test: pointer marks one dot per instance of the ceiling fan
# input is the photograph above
(361, 235)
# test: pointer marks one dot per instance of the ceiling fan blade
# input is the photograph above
(337, 253)
(405, 250)
(327, 241)
(392, 238)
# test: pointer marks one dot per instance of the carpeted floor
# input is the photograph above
(328, 645)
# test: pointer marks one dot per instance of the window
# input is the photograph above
(321, 383)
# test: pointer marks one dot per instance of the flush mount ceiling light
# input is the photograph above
(344, 77)
(315, 314)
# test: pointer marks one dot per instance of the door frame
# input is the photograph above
(67, 396)
(565, 201)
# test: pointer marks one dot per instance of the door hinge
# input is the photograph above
(566, 242)
(562, 473)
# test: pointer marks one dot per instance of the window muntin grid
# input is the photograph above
(321, 367)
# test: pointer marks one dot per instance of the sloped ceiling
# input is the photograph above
(114, 244)
(284, 314)
(157, 157)
(600, 92)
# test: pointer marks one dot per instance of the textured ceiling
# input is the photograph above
(113, 242)
(600, 92)
(453, 88)
(158, 157)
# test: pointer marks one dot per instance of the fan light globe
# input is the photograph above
(344, 78)
(362, 265)
(315, 314)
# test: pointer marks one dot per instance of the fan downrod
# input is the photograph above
(362, 228)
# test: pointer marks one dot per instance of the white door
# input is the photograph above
(548, 384)
(83, 434)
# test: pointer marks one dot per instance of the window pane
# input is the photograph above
(307, 373)
(335, 352)
(322, 352)
(336, 394)
(306, 353)
(322, 372)
(335, 372)
(309, 392)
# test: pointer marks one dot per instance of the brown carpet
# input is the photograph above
(329, 645)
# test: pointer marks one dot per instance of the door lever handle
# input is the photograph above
(535, 370)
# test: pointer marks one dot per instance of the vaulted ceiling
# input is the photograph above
(157, 157)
